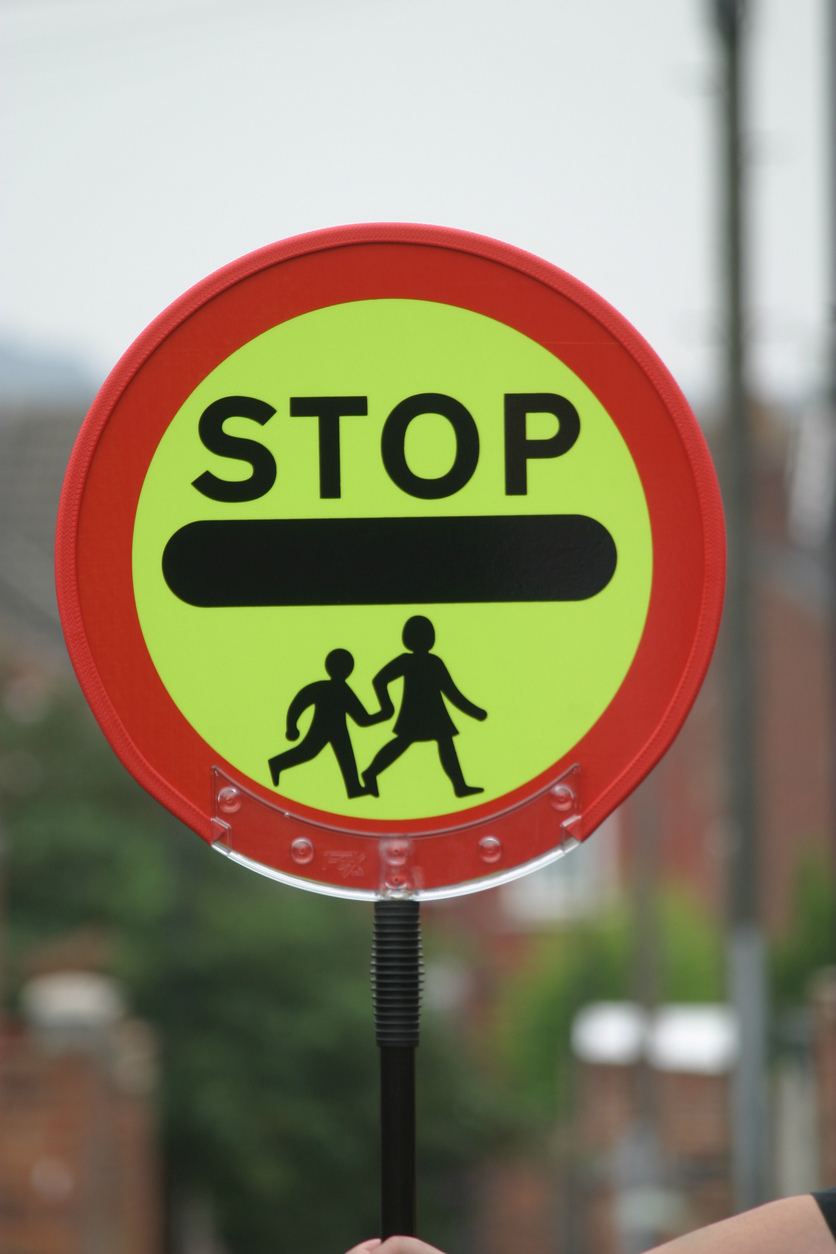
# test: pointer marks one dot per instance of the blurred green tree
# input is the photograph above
(809, 943)
(259, 994)
(593, 961)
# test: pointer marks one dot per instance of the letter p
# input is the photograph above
(519, 448)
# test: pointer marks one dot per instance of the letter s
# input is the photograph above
(212, 435)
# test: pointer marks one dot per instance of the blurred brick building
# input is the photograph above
(794, 707)
(79, 1160)
(651, 1129)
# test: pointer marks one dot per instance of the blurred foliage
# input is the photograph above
(259, 994)
(592, 961)
(809, 942)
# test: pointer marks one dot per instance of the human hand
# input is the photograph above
(292, 733)
(394, 1245)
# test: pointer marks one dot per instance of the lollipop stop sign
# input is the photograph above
(390, 559)
(390, 533)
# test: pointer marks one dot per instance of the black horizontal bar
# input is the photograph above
(389, 561)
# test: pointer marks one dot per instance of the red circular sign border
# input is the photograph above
(426, 263)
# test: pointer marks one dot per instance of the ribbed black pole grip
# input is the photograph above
(397, 972)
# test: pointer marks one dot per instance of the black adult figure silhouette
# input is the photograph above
(332, 701)
(423, 714)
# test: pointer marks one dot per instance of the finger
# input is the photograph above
(365, 1246)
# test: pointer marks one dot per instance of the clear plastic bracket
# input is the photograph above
(238, 811)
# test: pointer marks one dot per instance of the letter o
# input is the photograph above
(393, 444)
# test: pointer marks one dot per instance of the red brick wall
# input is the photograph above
(78, 1161)
(794, 755)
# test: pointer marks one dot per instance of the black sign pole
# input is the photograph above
(396, 984)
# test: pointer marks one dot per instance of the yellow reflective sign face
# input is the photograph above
(392, 559)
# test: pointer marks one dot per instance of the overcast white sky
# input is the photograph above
(144, 144)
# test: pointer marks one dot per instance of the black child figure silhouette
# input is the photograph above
(332, 701)
(423, 714)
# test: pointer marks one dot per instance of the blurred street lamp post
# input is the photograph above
(746, 955)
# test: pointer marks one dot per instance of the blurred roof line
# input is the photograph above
(38, 378)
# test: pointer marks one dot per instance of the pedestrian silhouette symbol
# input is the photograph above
(423, 714)
(333, 701)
